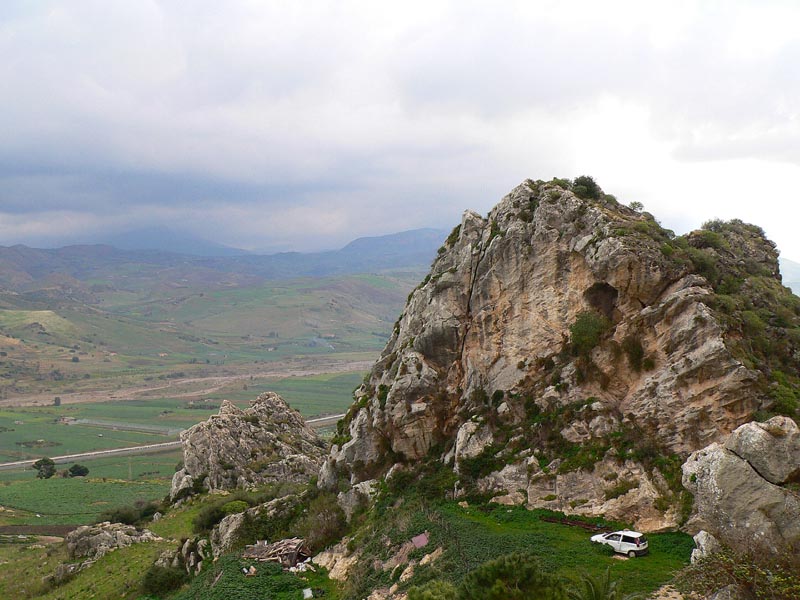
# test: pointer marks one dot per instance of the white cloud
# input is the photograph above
(308, 124)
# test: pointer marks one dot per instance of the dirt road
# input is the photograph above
(204, 385)
(146, 449)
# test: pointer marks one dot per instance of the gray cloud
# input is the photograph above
(304, 125)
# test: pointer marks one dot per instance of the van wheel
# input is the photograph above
(631, 554)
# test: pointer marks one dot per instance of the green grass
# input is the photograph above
(74, 500)
(563, 549)
(18, 426)
(47, 320)
(139, 467)
(177, 522)
(116, 575)
(224, 581)
(329, 393)
(27, 564)
(475, 535)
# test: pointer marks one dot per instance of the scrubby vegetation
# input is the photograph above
(758, 573)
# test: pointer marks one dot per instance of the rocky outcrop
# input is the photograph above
(741, 490)
(228, 531)
(483, 365)
(705, 545)
(266, 443)
(338, 560)
(94, 541)
(190, 556)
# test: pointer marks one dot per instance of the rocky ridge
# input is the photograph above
(567, 352)
(269, 442)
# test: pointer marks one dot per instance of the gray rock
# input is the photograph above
(226, 533)
(94, 541)
(705, 545)
(732, 592)
(736, 505)
(772, 448)
(357, 497)
(483, 334)
(188, 556)
(266, 443)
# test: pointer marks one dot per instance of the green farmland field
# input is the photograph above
(75, 500)
(164, 417)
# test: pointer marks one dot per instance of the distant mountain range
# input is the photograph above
(77, 270)
(169, 240)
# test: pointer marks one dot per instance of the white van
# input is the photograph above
(627, 542)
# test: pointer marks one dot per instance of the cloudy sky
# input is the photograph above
(303, 125)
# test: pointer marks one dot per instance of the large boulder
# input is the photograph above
(740, 491)
(269, 442)
(93, 541)
(771, 448)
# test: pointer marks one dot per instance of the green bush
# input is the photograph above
(434, 590)
(131, 514)
(621, 488)
(324, 523)
(481, 465)
(587, 332)
(77, 470)
(761, 574)
(511, 577)
(453, 237)
(159, 580)
(234, 507)
(586, 187)
(632, 346)
(213, 512)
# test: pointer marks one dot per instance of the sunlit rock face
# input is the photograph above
(482, 360)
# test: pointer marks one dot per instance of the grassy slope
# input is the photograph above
(473, 535)
(117, 575)
(129, 336)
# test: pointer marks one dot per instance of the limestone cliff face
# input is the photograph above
(266, 443)
(483, 364)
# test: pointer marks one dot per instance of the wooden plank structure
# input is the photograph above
(288, 552)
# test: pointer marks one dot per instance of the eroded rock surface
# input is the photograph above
(94, 541)
(741, 496)
(227, 532)
(88, 543)
(269, 442)
(480, 368)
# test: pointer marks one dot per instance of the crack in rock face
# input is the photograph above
(739, 487)
(487, 339)
(269, 442)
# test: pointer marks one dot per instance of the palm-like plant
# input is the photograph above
(600, 587)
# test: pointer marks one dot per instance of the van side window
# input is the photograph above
(614, 538)
(628, 539)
